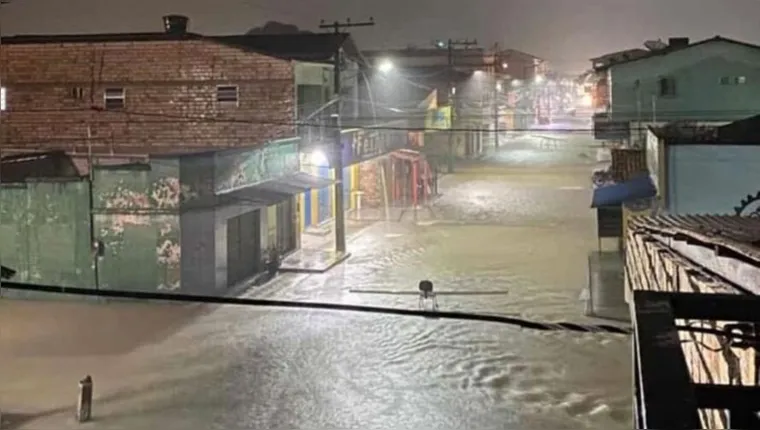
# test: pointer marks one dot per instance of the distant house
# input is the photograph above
(714, 81)
(707, 169)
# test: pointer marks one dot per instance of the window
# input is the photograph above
(227, 94)
(114, 98)
(733, 80)
(77, 93)
(667, 87)
(3, 98)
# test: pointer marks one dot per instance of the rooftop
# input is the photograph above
(308, 47)
(38, 165)
(708, 239)
(744, 131)
(666, 51)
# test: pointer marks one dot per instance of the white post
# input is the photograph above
(358, 195)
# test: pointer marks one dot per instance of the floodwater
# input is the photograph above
(517, 226)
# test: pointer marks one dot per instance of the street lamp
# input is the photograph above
(498, 86)
(516, 82)
(385, 66)
(539, 79)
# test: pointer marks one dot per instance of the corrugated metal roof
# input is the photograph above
(736, 233)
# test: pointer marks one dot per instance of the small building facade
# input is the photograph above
(192, 223)
(706, 169)
(714, 80)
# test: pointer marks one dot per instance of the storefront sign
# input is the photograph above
(367, 144)
(236, 169)
(438, 119)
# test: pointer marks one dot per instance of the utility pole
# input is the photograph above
(340, 214)
(453, 97)
(4, 96)
(95, 245)
(496, 96)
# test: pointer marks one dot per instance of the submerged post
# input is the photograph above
(84, 402)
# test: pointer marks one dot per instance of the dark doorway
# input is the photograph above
(286, 229)
(243, 247)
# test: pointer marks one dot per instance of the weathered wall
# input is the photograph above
(45, 233)
(52, 86)
(651, 265)
(136, 215)
(713, 179)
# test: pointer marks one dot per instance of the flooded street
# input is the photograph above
(516, 225)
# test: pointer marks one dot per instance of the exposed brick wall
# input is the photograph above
(167, 80)
(652, 265)
(370, 183)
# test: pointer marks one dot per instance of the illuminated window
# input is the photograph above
(2, 98)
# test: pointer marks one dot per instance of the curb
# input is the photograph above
(324, 269)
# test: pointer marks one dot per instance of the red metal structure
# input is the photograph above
(412, 177)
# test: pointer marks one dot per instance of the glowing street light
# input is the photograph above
(498, 86)
(516, 82)
(385, 66)
(539, 79)
(318, 158)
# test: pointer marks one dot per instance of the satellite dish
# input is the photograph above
(655, 45)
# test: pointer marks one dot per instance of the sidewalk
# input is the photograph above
(317, 253)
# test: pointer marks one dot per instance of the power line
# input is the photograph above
(465, 316)
(201, 119)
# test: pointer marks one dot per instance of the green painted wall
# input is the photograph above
(45, 232)
(136, 213)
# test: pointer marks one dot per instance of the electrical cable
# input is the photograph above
(463, 316)
(203, 119)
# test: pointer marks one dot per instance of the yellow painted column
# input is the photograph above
(354, 182)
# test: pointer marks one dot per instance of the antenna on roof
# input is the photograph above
(655, 45)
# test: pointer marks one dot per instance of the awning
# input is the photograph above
(639, 187)
(296, 183)
(274, 191)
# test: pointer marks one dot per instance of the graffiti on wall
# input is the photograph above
(137, 219)
(239, 169)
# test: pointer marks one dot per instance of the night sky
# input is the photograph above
(566, 32)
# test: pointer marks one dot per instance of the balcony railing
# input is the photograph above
(665, 395)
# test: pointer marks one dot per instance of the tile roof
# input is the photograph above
(627, 163)
(739, 234)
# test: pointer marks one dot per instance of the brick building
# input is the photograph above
(710, 259)
(172, 91)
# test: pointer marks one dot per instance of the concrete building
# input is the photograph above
(714, 80)
(706, 169)
(163, 92)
